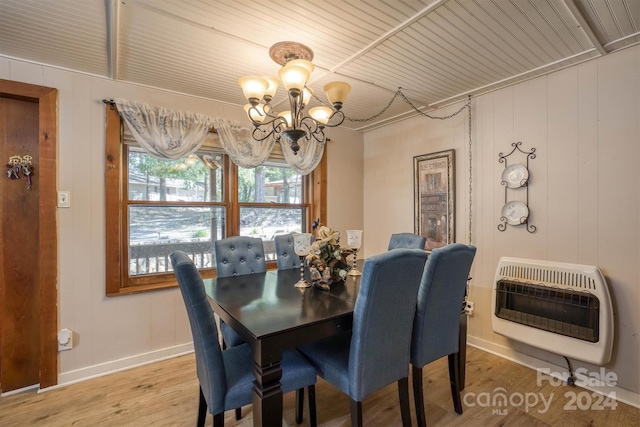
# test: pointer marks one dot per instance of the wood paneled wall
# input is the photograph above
(116, 333)
(584, 194)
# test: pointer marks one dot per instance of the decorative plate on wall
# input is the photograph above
(515, 212)
(515, 176)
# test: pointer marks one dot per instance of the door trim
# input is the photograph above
(47, 99)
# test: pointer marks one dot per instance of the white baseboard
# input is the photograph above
(114, 366)
(620, 394)
(20, 390)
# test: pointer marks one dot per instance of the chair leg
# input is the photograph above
(218, 420)
(403, 395)
(313, 420)
(356, 413)
(238, 414)
(462, 345)
(202, 409)
(454, 379)
(299, 404)
(418, 396)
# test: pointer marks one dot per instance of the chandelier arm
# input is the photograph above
(268, 111)
(254, 111)
(314, 129)
(319, 135)
(338, 114)
(261, 132)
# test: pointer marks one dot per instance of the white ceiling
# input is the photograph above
(438, 51)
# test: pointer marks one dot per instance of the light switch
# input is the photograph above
(64, 199)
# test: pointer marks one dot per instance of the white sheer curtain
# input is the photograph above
(168, 134)
(243, 150)
(308, 156)
(162, 133)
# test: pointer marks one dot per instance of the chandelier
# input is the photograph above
(293, 124)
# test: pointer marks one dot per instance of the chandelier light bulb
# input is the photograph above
(294, 77)
(274, 82)
(321, 114)
(337, 93)
(302, 63)
(253, 87)
(306, 96)
(287, 117)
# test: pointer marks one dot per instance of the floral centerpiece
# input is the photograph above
(328, 262)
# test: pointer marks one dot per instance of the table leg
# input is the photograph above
(267, 395)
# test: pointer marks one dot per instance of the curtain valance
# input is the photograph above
(171, 135)
(163, 133)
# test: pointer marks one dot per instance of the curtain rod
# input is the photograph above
(111, 102)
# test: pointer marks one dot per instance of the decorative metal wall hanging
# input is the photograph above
(20, 165)
(516, 177)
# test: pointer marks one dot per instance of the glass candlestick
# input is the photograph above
(301, 246)
(354, 241)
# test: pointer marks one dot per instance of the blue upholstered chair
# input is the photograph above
(376, 352)
(407, 241)
(226, 379)
(239, 255)
(286, 257)
(436, 327)
(236, 256)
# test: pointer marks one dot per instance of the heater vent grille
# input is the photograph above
(565, 312)
(549, 276)
(559, 307)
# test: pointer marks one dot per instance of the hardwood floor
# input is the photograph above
(166, 394)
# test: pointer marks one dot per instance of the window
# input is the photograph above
(155, 207)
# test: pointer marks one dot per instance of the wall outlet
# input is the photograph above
(469, 309)
(65, 340)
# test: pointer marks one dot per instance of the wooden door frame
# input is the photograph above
(46, 178)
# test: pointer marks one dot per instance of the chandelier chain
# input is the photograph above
(470, 176)
(399, 93)
(466, 106)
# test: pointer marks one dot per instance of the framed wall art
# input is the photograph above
(434, 191)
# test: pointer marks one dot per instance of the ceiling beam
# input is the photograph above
(577, 14)
(113, 15)
(400, 27)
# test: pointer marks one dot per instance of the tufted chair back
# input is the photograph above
(436, 326)
(407, 241)
(239, 255)
(285, 255)
(209, 363)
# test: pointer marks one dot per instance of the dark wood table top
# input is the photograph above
(259, 305)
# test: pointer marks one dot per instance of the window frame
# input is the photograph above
(118, 281)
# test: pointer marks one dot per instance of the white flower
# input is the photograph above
(342, 274)
(337, 253)
(325, 234)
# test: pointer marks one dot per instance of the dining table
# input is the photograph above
(271, 315)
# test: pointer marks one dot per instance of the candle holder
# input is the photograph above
(301, 246)
(354, 241)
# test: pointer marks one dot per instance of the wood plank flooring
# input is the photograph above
(166, 394)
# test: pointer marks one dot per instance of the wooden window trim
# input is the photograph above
(117, 282)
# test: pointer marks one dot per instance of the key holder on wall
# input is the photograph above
(516, 177)
(20, 165)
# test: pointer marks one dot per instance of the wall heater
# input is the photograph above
(559, 307)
